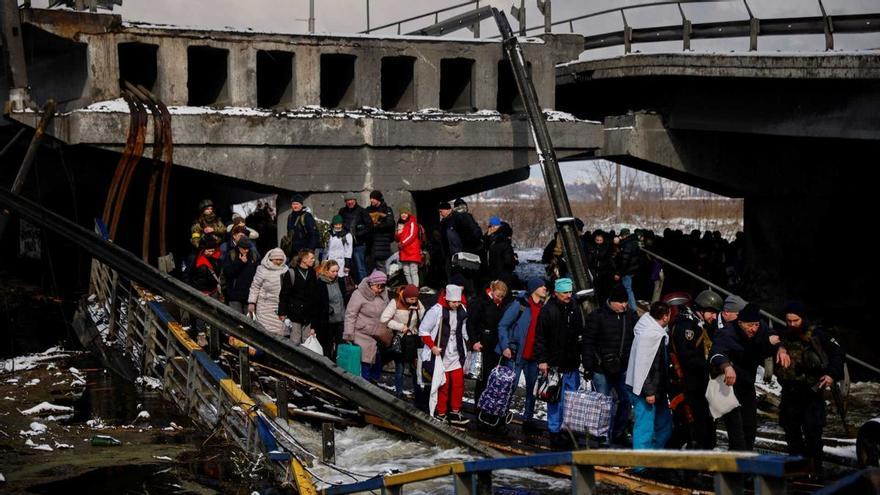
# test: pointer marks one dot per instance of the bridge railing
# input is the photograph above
(770, 472)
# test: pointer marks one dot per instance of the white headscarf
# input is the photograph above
(648, 334)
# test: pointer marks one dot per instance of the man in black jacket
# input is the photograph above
(301, 228)
(816, 363)
(601, 264)
(458, 234)
(359, 224)
(739, 348)
(298, 299)
(500, 258)
(558, 336)
(382, 223)
(628, 263)
(606, 347)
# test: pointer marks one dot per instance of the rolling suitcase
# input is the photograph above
(348, 357)
(494, 402)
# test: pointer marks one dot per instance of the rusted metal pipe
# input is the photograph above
(136, 154)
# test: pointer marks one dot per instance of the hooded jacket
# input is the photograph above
(239, 275)
(500, 258)
(409, 245)
(265, 289)
(339, 248)
(362, 319)
(299, 295)
(604, 329)
(382, 231)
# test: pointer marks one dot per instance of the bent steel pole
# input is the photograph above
(565, 221)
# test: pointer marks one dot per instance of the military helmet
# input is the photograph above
(709, 300)
(205, 203)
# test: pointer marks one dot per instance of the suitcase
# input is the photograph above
(495, 400)
(587, 412)
(348, 357)
(466, 261)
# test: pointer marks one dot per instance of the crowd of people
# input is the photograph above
(656, 361)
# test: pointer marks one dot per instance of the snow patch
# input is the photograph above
(31, 361)
(143, 415)
(148, 382)
(63, 445)
(45, 407)
(43, 446)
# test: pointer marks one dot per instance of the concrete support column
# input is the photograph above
(242, 76)
(308, 77)
(103, 69)
(172, 64)
(368, 77)
(427, 81)
(485, 81)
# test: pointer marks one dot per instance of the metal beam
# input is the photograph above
(453, 24)
(856, 23)
(217, 314)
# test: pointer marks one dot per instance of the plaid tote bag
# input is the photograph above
(587, 412)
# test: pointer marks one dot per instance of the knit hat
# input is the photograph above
(494, 221)
(749, 314)
(244, 243)
(444, 205)
(376, 278)
(377, 195)
(563, 285)
(337, 220)
(734, 304)
(410, 290)
(297, 198)
(405, 209)
(795, 307)
(624, 232)
(350, 195)
(534, 284)
(453, 293)
(618, 294)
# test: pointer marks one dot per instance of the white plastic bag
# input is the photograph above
(313, 345)
(721, 397)
(473, 364)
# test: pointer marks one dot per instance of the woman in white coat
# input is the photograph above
(263, 297)
(340, 245)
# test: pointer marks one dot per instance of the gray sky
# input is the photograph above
(349, 16)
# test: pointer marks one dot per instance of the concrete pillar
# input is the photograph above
(171, 76)
(485, 81)
(427, 81)
(308, 76)
(103, 69)
(242, 79)
(367, 78)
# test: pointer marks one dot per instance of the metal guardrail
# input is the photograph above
(475, 477)
(434, 13)
(158, 346)
(722, 290)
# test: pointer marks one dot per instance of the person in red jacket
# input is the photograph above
(410, 246)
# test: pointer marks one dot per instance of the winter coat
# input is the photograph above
(362, 319)
(409, 244)
(500, 258)
(690, 342)
(358, 223)
(599, 259)
(303, 232)
(198, 227)
(205, 275)
(483, 318)
(239, 275)
(264, 292)
(732, 345)
(339, 248)
(299, 295)
(513, 328)
(321, 322)
(629, 257)
(460, 232)
(382, 233)
(397, 318)
(558, 335)
(602, 335)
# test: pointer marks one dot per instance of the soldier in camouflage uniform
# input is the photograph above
(816, 363)
(208, 223)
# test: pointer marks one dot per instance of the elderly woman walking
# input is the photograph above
(362, 322)
(265, 289)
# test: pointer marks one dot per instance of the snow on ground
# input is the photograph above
(31, 361)
(46, 407)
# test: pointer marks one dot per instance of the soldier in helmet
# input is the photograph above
(208, 223)
(816, 363)
(692, 333)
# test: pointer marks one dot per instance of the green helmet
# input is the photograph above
(205, 203)
(709, 300)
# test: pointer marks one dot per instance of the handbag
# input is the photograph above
(384, 335)
(396, 346)
(411, 342)
(350, 285)
(548, 388)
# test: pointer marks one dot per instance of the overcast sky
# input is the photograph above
(349, 16)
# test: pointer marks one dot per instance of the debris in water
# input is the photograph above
(143, 415)
(43, 446)
(105, 441)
